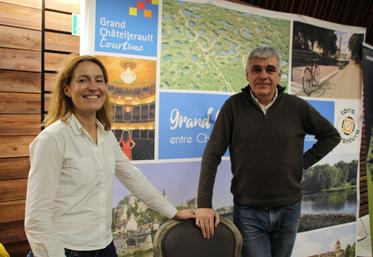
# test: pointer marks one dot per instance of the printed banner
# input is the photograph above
(127, 27)
(368, 107)
(172, 64)
(185, 123)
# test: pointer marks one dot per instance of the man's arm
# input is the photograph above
(326, 134)
(206, 218)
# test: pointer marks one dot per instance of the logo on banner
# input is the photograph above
(185, 128)
(141, 6)
(127, 27)
(347, 125)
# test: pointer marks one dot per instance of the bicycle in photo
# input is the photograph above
(311, 77)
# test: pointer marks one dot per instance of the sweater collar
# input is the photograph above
(247, 92)
(262, 107)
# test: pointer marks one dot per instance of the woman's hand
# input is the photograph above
(184, 214)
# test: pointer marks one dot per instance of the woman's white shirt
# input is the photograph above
(70, 186)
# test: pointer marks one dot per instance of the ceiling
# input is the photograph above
(348, 12)
(144, 70)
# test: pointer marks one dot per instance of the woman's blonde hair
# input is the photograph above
(61, 105)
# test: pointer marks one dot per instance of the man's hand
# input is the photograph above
(207, 219)
(184, 214)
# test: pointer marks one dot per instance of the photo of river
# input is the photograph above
(335, 202)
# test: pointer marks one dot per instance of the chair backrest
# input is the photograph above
(184, 239)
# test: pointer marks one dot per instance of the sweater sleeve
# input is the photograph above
(214, 150)
(325, 133)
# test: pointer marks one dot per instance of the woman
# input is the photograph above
(126, 143)
(73, 164)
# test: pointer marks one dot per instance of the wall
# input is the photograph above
(22, 84)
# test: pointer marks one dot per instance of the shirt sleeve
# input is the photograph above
(214, 150)
(133, 179)
(326, 134)
(45, 166)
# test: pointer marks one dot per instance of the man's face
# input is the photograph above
(263, 75)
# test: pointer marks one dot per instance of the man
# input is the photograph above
(264, 129)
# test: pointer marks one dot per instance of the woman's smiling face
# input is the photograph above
(87, 89)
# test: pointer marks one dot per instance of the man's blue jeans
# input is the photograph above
(267, 232)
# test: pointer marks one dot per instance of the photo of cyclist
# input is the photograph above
(325, 62)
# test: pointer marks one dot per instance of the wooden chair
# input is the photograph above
(184, 239)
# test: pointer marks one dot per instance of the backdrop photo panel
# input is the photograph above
(196, 53)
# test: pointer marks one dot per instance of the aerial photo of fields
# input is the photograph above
(205, 47)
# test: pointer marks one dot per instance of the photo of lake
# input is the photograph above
(335, 202)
